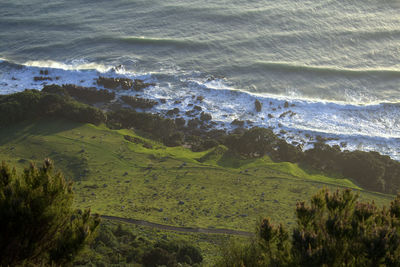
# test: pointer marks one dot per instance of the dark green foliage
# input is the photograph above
(118, 245)
(88, 94)
(369, 169)
(333, 230)
(84, 94)
(174, 139)
(33, 104)
(255, 142)
(171, 253)
(158, 127)
(158, 257)
(37, 223)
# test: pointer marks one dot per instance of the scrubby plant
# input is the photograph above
(33, 104)
(334, 229)
(38, 225)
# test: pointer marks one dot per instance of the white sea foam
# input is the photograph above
(366, 127)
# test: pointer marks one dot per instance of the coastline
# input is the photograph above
(352, 126)
(370, 170)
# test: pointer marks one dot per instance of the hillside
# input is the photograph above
(166, 185)
(121, 173)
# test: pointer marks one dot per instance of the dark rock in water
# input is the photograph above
(123, 83)
(39, 78)
(190, 113)
(270, 116)
(343, 144)
(197, 108)
(237, 122)
(173, 112)
(180, 122)
(114, 83)
(137, 102)
(163, 101)
(258, 105)
(44, 72)
(200, 98)
(138, 85)
(249, 122)
(286, 105)
(190, 105)
(177, 102)
(205, 116)
(284, 114)
(321, 139)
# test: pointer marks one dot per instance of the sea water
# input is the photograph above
(336, 63)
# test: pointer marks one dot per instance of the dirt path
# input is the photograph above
(177, 228)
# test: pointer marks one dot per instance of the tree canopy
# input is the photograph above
(38, 225)
(334, 229)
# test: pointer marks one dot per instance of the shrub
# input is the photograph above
(37, 223)
(33, 104)
(333, 230)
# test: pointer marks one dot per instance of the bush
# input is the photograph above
(333, 230)
(37, 223)
(33, 104)
(155, 125)
(255, 142)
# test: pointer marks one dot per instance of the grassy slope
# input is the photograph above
(120, 178)
(117, 177)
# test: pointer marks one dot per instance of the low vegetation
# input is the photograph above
(368, 169)
(333, 230)
(38, 225)
(119, 244)
(144, 166)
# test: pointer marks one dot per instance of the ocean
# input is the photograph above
(335, 63)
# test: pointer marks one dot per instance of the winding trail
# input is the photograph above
(178, 228)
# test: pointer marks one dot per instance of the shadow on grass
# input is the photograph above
(72, 166)
(34, 128)
(232, 160)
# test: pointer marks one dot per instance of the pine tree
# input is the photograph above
(38, 225)
(334, 229)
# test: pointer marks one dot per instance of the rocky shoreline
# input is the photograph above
(196, 129)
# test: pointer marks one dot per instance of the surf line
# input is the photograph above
(178, 228)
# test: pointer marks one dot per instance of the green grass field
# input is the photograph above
(174, 186)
